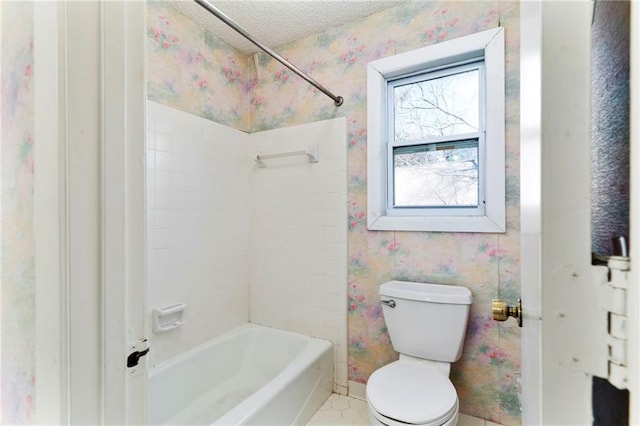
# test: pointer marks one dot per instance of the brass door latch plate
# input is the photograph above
(501, 311)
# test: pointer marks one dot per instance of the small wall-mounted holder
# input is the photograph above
(165, 319)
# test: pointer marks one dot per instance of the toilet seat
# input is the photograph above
(411, 393)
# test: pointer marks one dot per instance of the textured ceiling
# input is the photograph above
(276, 22)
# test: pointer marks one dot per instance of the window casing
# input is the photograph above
(435, 168)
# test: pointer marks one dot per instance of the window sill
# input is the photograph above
(480, 224)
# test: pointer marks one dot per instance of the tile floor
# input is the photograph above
(341, 410)
(345, 410)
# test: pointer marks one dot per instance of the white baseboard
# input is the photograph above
(357, 390)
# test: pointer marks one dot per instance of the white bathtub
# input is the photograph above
(252, 375)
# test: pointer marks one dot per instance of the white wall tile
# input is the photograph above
(298, 236)
(196, 250)
(163, 141)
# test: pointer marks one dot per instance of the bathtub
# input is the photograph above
(252, 375)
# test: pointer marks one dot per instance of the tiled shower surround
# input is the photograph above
(237, 242)
(197, 226)
(189, 69)
(298, 278)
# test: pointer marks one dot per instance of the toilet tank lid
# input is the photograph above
(435, 293)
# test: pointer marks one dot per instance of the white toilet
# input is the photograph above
(427, 325)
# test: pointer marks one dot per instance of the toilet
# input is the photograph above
(427, 324)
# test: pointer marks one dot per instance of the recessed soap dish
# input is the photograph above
(165, 319)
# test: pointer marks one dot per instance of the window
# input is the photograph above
(433, 139)
(436, 137)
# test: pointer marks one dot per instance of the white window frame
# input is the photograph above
(487, 46)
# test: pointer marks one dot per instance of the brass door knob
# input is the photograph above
(501, 311)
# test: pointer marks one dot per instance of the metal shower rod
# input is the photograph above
(337, 100)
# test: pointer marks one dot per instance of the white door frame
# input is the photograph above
(531, 209)
(634, 215)
(89, 210)
(124, 214)
(49, 226)
(67, 212)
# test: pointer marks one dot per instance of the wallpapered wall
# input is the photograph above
(191, 70)
(487, 375)
(16, 209)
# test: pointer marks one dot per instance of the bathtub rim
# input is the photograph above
(241, 329)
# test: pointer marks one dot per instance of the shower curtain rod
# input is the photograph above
(337, 100)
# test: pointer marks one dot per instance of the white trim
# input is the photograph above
(530, 210)
(82, 103)
(443, 139)
(123, 220)
(113, 202)
(357, 390)
(100, 194)
(136, 277)
(487, 44)
(49, 226)
(634, 218)
(495, 136)
(447, 52)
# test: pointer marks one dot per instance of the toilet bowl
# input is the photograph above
(408, 392)
(427, 325)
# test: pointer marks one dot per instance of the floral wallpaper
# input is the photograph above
(487, 375)
(17, 335)
(193, 71)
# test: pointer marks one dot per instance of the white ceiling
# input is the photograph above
(276, 22)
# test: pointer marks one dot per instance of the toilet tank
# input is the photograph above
(428, 321)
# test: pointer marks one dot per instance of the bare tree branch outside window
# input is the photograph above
(433, 174)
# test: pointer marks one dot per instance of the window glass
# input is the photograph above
(436, 175)
(440, 106)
